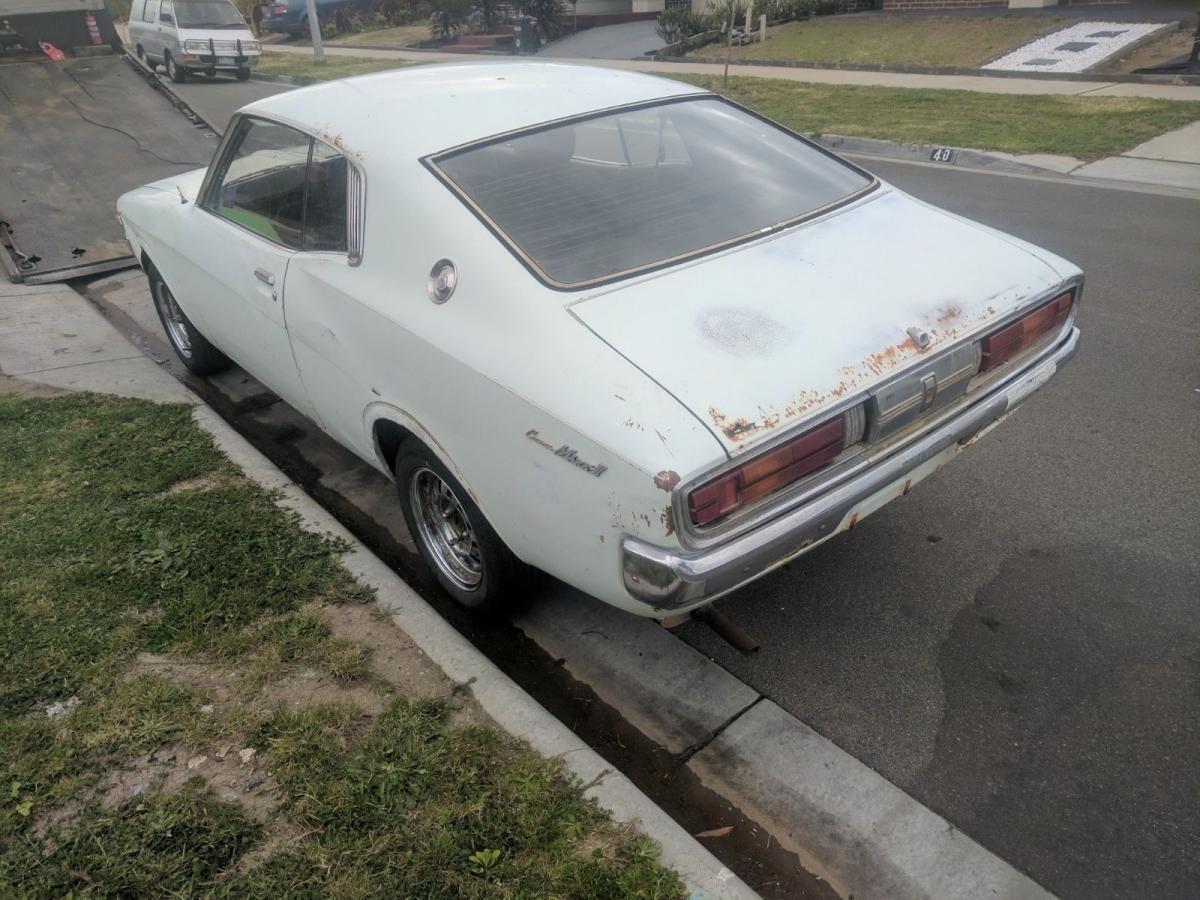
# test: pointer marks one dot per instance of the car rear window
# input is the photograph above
(592, 199)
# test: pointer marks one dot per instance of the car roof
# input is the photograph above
(425, 109)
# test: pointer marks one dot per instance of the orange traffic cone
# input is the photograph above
(93, 29)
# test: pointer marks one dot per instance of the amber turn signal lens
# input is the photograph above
(1005, 343)
(768, 472)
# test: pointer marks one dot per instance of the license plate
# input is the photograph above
(225, 60)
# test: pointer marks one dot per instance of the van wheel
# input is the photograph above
(174, 72)
(141, 53)
(192, 348)
(466, 555)
(243, 74)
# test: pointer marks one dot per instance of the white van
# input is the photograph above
(191, 36)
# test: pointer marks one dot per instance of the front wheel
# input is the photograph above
(243, 74)
(175, 72)
(464, 552)
(192, 348)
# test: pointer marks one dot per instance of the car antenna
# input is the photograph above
(182, 198)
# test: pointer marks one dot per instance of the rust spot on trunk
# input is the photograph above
(668, 520)
(666, 480)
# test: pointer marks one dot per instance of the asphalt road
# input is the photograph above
(1016, 643)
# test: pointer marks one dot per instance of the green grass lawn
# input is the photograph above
(895, 40)
(397, 37)
(163, 597)
(1083, 127)
(302, 68)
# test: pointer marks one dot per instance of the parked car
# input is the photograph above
(188, 37)
(597, 323)
(291, 16)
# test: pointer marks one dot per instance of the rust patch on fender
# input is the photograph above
(666, 480)
(668, 520)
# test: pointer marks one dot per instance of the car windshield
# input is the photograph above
(612, 194)
(208, 14)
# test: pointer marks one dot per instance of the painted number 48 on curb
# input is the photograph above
(942, 154)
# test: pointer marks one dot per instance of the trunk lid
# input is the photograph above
(769, 335)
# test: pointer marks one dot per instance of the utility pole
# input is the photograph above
(314, 30)
(728, 43)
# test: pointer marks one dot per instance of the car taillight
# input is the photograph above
(776, 468)
(280, 9)
(1005, 343)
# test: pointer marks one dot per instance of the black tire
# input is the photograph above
(175, 72)
(503, 580)
(141, 53)
(243, 74)
(192, 348)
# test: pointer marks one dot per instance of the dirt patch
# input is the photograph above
(22, 388)
(1156, 53)
(199, 483)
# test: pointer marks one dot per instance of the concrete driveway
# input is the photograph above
(631, 40)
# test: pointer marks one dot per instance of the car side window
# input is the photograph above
(150, 11)
(325, 208)
(166, 12)
(261, 186)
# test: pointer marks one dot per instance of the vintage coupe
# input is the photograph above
(597, 323)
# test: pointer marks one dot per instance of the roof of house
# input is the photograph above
(425, 109)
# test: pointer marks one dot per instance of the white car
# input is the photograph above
(600, 324)
(187, 37)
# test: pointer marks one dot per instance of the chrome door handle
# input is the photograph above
(265, 277)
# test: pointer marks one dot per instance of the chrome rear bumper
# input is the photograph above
(671, 579)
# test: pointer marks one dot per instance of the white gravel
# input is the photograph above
(1046, 54)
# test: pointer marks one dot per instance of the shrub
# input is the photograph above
(719, 13)
(677, 25)
(448, 17)
(827, 7)
(547, 13)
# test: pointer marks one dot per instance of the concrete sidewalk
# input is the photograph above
(982, 83)
(50, 335)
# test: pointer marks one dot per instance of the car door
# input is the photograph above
(245, 229)
(325, 316)
(166, 30)
(148, 31)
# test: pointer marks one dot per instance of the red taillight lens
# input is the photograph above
(280, 9)
(1007, 342)
(768, 472)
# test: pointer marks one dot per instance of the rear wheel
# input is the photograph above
(176, 73)
(463, 551)
(243, 74)
(192, 348)
(141, 53)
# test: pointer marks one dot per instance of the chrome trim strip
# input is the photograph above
(668, 579)
(852, 461)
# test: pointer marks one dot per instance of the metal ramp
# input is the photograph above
(74, 136)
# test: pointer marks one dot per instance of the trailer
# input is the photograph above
(74, 136)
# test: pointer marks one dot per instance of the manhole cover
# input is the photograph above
(1076, 46)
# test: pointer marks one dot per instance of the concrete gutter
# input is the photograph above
(51, 335)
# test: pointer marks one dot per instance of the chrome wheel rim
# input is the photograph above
(174, 320)
(170, 67)
(445, 529)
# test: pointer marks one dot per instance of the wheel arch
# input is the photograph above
(391, 426)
